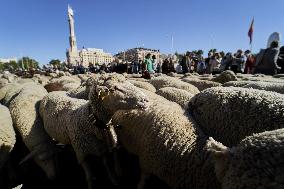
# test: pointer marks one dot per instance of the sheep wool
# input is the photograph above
(225, 76)
(229, 114)
(167, 143)
(7, 135)
(179, 96)
(257, 162)
(201, 84)
(166, 81)
(267, 86)
(3, 82)
(24, 110)
(81, 92)
(67, 120)
(143, 85)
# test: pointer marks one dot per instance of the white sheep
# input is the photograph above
(3, 82)
(225, 76)
(229, 114)
(7, 135)
(257, 162)
(24, 108)
(63, 83)
(167, 143)
(67, 120)
(143, 85)
(179, 96)
(166, 81)
(267, 86)
(201, 84)
(84, 124)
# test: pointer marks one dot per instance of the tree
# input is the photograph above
(12, 65)
(55, 62)
(27, 63)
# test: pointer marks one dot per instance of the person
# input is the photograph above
(159, 67)
(280, 61)
(267, 64)
(172, 66)
(249, 62)
(207, 60)
(201, 67)
(214, 63)
(238, 64)
(186, 63)
(154, 59)
(148, 63)
(166, 66)
(226, 62)
(135, 66)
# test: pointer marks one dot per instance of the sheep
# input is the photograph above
(63, 83)
(80, 92)
(179, 96)
(166, 81)
(257, 162)
(201, 84)
(225, 76)
(168, 144)
(144, 85)
(110, 92)
(84, 124)
(68, 121)
(3, 82)
(7, 135)
(24, 108)
(237, 83)
(10, 77)
(267, 86)
(8, 92)
(229, 114)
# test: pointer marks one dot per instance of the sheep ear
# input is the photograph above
(29, 156)
(220, 156)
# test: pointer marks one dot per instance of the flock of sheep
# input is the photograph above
(122, 131)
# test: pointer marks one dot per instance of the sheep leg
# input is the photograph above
(90, 177)
(142, 182)
(109, 171)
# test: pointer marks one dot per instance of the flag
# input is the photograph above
(250, 32)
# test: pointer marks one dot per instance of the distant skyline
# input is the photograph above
(39, 29)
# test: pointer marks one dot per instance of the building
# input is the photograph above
(84, 56)
(135, 54)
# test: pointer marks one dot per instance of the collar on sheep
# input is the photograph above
(100, 89)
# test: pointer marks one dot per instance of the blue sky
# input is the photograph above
(39, 28)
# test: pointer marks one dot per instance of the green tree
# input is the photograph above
(55, 62)
(12, 65)
(27, 63)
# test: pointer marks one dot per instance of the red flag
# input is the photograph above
(250, 32)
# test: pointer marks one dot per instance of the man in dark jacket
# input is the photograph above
(268, 63)
(280, 61)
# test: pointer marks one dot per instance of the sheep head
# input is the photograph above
(111, 92)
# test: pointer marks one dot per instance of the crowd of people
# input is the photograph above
(268, 61)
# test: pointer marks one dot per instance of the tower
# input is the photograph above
(72, 53)
(72, 38)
